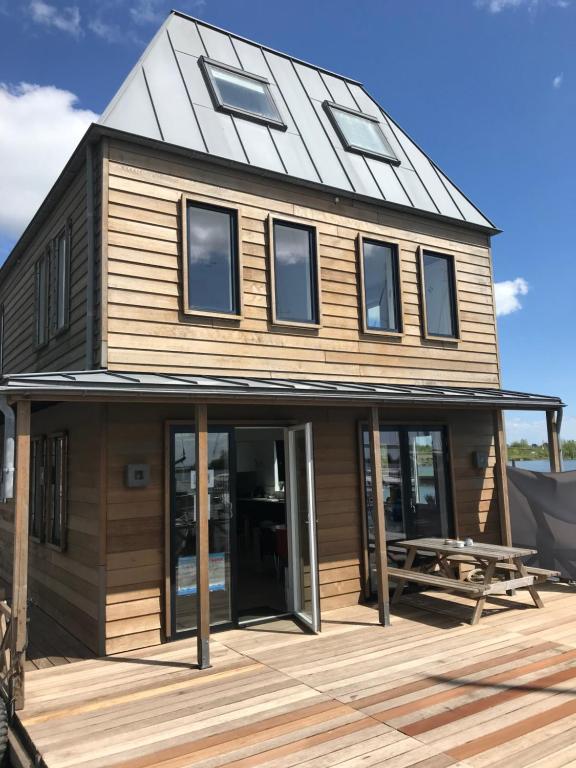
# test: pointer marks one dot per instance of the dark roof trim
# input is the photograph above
(263, 47)
(99, 383)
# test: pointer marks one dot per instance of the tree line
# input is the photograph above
(522, 450)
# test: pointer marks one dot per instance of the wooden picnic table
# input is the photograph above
(488, 557)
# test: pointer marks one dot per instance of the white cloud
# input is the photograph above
(497, 6)
(557, 81)
(109, 32)
(155, 11)
(39, 129)
(64, 19)
(507, 293)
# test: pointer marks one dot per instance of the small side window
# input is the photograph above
(61, 280)
(2, 338)
(41, 299)
(37, 488)
(439, 295)
(57, 491)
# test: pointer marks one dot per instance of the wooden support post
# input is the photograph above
(379, 519)
(202, 538)
(20, 556)
(553, 442)
(501, 479)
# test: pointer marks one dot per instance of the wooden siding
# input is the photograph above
(146, 329)
(66, 584)
(17, 291)
(135, 518)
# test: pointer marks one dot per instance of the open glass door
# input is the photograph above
(304, 592)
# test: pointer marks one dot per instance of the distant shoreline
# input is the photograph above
(542, 465)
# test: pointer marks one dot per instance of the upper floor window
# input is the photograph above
(61, 279)
(440, 304)
(380, 277)
(239, 92)
(211, 261)
(295, 274)
(41, 299)
(360, 133)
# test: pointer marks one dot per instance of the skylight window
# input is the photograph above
(360, 133)
(240, 93)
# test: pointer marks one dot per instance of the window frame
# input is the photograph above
(205, 65)
(49, 511)
(38, 461)
(237, 255)
(298, 224)
(330, 107)
(43, 261)
(396, 251)
(66, 234)
(2, 332)
(453, 272)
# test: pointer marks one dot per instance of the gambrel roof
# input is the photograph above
(168, 98)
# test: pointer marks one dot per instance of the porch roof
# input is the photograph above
(101, 383)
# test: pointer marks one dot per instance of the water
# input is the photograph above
(543, 465)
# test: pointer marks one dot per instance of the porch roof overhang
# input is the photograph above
(73, 385)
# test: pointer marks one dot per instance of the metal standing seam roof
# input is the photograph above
(104, 382)
(166, 98)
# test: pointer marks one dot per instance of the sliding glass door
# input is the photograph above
(415, 484)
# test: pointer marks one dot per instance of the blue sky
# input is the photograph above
(487, 87)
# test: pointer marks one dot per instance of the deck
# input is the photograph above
(430, 691)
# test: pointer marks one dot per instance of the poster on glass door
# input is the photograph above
(186, 580)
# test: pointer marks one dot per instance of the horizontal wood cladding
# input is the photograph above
(146, 329)
(135, 518)
(66, 584)
(66, 351)
(135, 595)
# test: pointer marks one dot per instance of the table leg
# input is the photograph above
(488, 575)
(400, 584)
(521, 568)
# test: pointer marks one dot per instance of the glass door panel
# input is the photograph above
(428, 514)
(183, 521)
(302, 528)
(415, 488)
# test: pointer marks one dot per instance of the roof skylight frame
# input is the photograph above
(330, 107)
(206, 64)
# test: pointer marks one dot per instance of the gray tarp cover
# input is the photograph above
(543, 515)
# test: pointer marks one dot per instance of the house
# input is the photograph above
(248, 295)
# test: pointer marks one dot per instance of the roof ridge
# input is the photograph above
(285, 55)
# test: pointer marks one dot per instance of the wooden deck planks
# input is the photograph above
(427, 692)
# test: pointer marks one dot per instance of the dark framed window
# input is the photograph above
(60, 279)
(241, 93)
(2, 338)
(211, 263)
(360, 133)
(41, 303)
(37, 488)
(57, 490)
(380, 278)
(439, 295)
(295, 274)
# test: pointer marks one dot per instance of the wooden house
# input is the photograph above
(248, 342)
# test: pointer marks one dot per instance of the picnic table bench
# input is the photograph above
(487, 557)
